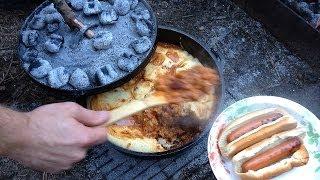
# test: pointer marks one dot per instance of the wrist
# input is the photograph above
(10, 129)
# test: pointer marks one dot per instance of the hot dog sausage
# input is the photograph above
(272, 155)
(253, 124)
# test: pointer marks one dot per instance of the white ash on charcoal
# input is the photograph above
(38, 22)
(53, 27)
(58, 77)
(54, 43)
(111, 71)
(103, 41)
(122, 7)
(79, 79)
(39, 68)
(92, 7)
(106, 74)
(53, 21)
(103, 78)
(108, 17)
(53, 17)
(139, 14)
(128, 62)
(133, 4)
(30, 55)
(143, 27)
(49, 9)
(141, 45)
(30, 38)
(121, 42)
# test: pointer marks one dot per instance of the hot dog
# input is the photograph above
(255, 123)
(252, 128)
(272, 156)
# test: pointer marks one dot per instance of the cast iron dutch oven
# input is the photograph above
(209, 59)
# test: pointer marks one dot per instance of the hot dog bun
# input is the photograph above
(298, 158)
(280, 122)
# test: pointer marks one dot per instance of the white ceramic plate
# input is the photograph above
(223, 169)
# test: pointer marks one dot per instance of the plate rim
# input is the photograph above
(219, 123)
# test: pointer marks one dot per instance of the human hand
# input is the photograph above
(53, 137)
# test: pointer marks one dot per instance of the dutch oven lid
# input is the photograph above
(47, 47)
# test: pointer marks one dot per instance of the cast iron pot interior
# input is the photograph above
(97, 89)
(198, 50)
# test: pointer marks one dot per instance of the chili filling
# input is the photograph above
(188, 85)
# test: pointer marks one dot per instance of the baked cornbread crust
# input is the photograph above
(160, 128)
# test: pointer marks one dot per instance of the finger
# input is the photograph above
(97, 135)
(91, 118)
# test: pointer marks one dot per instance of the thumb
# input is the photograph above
(98, 135)
(91, 118)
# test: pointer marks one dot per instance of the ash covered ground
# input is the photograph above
(255, 63)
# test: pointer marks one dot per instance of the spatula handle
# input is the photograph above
(133, 107)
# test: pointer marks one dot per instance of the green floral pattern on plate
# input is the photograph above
(314, 138)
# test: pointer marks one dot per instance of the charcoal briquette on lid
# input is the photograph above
(143, 27)
(30, 38)
(138, 14)
(39, 68)
(49, 9)
(103, 40)
(134, 4)
(122, 7)
(106, 74)
(38, 22)
(30, 55)
(128, 62)
(54, 43)
(58, 77)
(108, 16)
(79, 79)
(92, 7)
(63, 58)
(141, 45)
